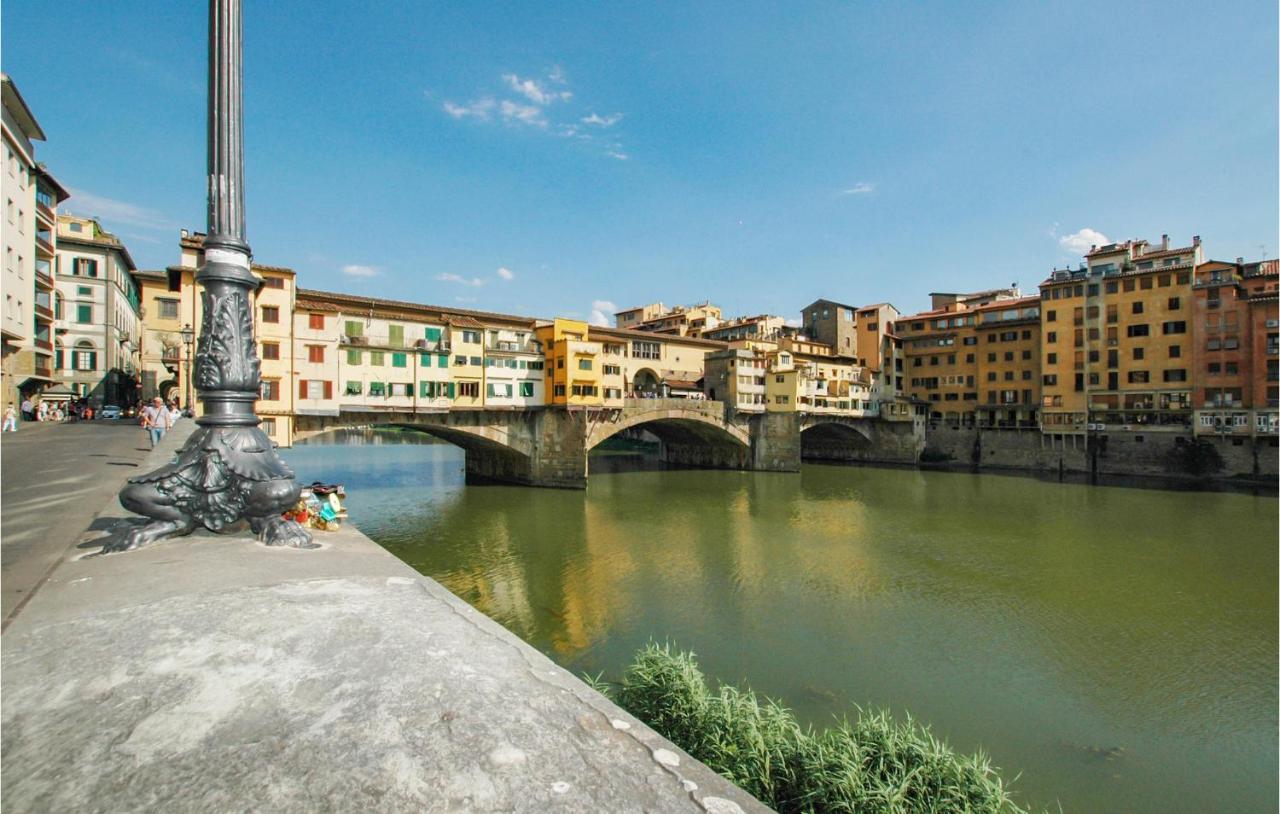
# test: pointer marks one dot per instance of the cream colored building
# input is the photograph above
(31, 197)
(98, 345)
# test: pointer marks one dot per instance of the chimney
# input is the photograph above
(1164, 243)
(1239, 261)
(1195, 240)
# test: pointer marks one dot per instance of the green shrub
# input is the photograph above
(870, 764)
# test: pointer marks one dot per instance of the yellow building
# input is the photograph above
(975, 359)
(1116, 339)
(171, 319)
(574, 364)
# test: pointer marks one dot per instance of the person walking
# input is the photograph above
(42, 414)
(26, 409)
(155, 420)
(10, 419)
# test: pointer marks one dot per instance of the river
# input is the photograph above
(1115, 647)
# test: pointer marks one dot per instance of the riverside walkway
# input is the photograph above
(212, 674)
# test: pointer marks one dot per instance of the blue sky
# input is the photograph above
(538, 158)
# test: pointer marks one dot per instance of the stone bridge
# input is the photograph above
(549, 446)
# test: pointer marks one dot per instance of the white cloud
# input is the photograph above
(524, 114)
(1081, 241)
(556, 74)
(112, 211)
(602, 312)
(535, 91)
(860, 188)
(506, 273)
(617, 155)
(361, 271)
(475, 282)
(793, 323)
(602, 121)
(479, 109)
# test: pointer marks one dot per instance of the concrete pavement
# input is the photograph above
(53, 480)
(211, 673)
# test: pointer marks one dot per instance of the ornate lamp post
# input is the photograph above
(188, 336)
(228, 471)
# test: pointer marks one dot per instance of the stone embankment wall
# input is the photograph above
(1160, 453)
(883, 442)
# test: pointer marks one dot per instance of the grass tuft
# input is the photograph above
(871, 763)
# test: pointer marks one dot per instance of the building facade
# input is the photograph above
(98, 347)
(31, 196)
(1117, 347)
(832, 323)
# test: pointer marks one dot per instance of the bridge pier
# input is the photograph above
(775, 442)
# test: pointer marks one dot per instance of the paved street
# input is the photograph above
(53, 479)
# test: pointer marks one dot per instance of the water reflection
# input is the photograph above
(1116, 646)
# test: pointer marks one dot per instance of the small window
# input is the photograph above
(270, 350)
(315, 322)
(315, 353)
(270, 313)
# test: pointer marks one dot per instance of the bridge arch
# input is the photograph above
(671, 426)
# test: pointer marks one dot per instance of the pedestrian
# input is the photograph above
(10, 419)
(155, 420)
(26, 409)
(43, 413)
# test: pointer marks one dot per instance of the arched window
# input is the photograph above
(86, 358)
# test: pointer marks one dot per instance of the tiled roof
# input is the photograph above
(459, 321)
(998, 305)
(629, 333)
(440, 312)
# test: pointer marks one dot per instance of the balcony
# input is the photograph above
(44, 243)
(44, 274)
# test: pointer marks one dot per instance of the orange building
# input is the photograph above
(1117, 341)
(1236, 349)
(976, 365)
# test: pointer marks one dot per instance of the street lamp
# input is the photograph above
(188, 336)
(228, 470)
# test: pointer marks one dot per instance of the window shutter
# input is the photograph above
(302, 389)
(328, 390)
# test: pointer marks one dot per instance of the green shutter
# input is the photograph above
(433, 334)
(451, 389)
(442, 360)
(396, 336)
(354, 356)
(399, 359)
(353, 328)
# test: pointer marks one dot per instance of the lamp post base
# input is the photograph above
(220, 476)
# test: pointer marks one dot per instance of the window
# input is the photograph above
(1139, 377)
(1175, 327)
(270, 350)
(433, 334)
(1051, 358)
(353, 388)
(471, 337)
(315, 322)
(269, 390)
(352, 328)
(273, 282)
(84, 314)
(645, 350)
(354, 357)
(476, 361)
(84, 267)
(377, 358)
(1052, 336)
(399, 359)
(400, 389)
(1050, 379)
(270, 313)
(268, 426)
(1139, 353)
(1175, 303)
(395, 336)
(315, 353)
(460, 361)
(1175, 351)
(1175, 375)
(1137, 308)
(1051, 316)
(526, 389)
(1139, 330)
(442, 360)
(378, 389)
(85, 359)
(469, 389)
(315, 389)
(1145, 283)
(168, 309)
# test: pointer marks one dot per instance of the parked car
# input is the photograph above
(111, 411)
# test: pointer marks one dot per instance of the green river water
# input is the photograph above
(1115, 647)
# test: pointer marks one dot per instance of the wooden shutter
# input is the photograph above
(302, 388)
(328, 390)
